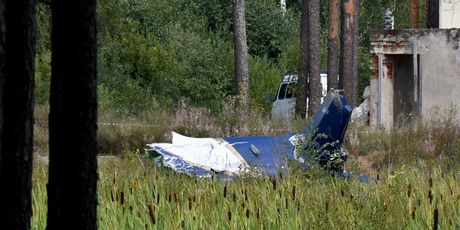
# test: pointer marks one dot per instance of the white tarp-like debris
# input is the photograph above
(262, 155)
(211, 154)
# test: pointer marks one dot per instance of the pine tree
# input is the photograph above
(314, 44)
(349, 51)
(414, 13)
(333, 45)
(302, 84)
(241, 55)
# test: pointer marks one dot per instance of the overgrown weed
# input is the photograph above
(133, 196)
(435, 141)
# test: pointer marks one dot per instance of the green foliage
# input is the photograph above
(165, 51)
(43, 56)
(264, 81)
(134, 193)
(217, 13)
(268, 30)
(364, 70)
(42, 77)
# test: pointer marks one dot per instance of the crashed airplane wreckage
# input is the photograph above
(234, 156)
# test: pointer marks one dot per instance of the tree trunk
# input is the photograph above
(302, 84)
(241, 55)
(432, 18)
(72, 186)
(333, 45)
(348, 56)
(19, 33)
(314, 86)
(414, 13)
(355, 65)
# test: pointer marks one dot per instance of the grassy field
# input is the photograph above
(132, 196)
(415, 168)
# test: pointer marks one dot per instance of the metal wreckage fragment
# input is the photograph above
(320, 143)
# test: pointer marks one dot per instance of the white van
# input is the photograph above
(284, 104)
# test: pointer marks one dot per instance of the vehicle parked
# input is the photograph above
(283, 106)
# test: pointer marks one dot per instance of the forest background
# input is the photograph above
(155, 54)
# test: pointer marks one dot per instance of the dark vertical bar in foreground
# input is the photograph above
(18, 33)
(72, 194)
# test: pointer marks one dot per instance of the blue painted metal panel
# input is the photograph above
(326, 131)
(273, 152)
(269, 154)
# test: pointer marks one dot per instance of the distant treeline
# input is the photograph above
(159, 52)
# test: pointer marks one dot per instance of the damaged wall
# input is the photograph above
(414, 71)
(440, 54)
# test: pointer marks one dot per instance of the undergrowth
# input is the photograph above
(414, 168)
(143, 196)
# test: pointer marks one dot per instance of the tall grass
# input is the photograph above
(434, 141)
(415, 167)
(134, 197)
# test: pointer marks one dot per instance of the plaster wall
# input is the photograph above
(373, 99)
(381, 109)
(387, 92)
(440, 67)
(438, 78)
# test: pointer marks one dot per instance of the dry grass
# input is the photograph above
(433, 141)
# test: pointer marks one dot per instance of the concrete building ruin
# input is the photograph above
(415, 70)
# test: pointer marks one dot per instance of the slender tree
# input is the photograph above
(241, 55)
(18, 31)
(72, 194)
(432, 17)
(414, 13)
(302, 85)
(349, 51)
(355, 46)
(314, 58)
(333, 45)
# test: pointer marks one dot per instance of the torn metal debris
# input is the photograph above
(321, 142)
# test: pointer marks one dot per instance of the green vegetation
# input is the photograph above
(168, 65)
(137, 196)
(416, 173)
(161, 52)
